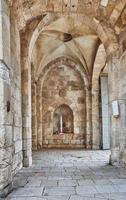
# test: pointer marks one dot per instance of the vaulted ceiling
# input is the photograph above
(70, 33)
(66, 37)
(26, 10)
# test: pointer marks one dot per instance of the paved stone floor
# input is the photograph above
(70, 175)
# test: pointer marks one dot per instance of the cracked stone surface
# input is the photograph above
(70, 175)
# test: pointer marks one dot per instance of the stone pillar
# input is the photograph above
(34, 117)
(122, 102)
(114, 69)
(26, 111)
(96, 118)
(105, 113)
(39, 114)
(26, 74)
(88, 119)
(5, 104)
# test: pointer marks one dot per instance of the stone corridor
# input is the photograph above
(70, 175)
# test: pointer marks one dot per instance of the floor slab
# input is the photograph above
(70, 175)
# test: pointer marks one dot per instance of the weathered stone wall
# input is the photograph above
(16, 113)
(6, 145)
(10, 101)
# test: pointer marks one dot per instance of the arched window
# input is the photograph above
(63, 120)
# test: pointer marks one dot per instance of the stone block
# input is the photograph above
(81, 100)
(18, 146)
(17, 135)
(8, 136)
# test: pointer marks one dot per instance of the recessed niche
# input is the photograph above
(63, 120)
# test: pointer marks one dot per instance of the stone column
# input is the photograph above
(88, 119)
(5, 104)
(105, 113)
(122, 101)
(26, 111)
(96, 117)
(26, 74)
(34, 117)
(39, 114)
(115, 123)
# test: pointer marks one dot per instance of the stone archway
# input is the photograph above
(62, 92)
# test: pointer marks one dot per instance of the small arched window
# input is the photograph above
(63, 120)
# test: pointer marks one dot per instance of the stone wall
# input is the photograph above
(6, 144)
(10, 101)
(16, 113)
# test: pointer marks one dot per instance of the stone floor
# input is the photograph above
(70, 175)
